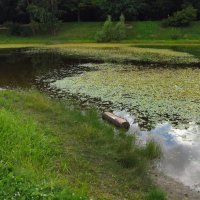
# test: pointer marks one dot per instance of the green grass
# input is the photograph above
(51, 150)
(152, 30)
(28, 153)
(137, 32)
(156, 195)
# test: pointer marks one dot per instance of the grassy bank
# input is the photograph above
(48, 148)
(149, 31)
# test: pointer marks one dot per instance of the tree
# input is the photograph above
(181, 18)
(106, 34)
(116, 7)
(44, 12)
(120, 29)
(24, 11)
(77, 6)
(110, 32)
(8, 10)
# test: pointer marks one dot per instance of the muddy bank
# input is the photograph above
(175, 190)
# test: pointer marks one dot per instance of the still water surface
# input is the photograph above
(181, 145)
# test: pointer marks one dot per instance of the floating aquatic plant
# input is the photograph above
(156, 92)
(120, 53)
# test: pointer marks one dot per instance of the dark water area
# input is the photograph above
(19, 69)
(181, 146)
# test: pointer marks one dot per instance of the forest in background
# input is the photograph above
(21, 11)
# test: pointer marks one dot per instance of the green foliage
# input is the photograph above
(120, 29)
(16, 29)
(27, 156)
(128, 157)
(16, 10)
(18, 187)
(129, 7)
(110, 32)
(84, 32)
(26, 31)
(15, 186)
(175, 36)
(106, 34)
(156, 195)
(45, 14)
(14, 132)
(152, 150)
(89, 151)
(181, 18)
(35, 27)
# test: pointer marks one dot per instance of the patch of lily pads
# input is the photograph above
(121, 53)
(155, 94)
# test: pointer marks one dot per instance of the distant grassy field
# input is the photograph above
(148, 31)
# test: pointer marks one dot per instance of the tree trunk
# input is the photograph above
(117, 121)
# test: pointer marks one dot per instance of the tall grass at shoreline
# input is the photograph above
(57, 147)
(27, 157)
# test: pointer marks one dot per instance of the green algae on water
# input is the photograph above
(155, 92)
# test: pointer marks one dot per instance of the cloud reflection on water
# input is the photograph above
(181, 149)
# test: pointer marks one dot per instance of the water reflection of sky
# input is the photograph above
(181, 152)
(181, 147)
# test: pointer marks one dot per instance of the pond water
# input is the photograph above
(160, 103)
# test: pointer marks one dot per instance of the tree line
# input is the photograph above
(23, 11)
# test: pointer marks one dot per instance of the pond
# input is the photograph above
(160, 102)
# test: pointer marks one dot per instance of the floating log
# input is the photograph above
(117, 121)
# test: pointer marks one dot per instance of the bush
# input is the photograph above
(20, 30)
(35, 27)
(109, 32)
(15, 29)
(181, 18)
(26, 31)
(174, 36)
(106, 34)
(120, 29)
(45, 16)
